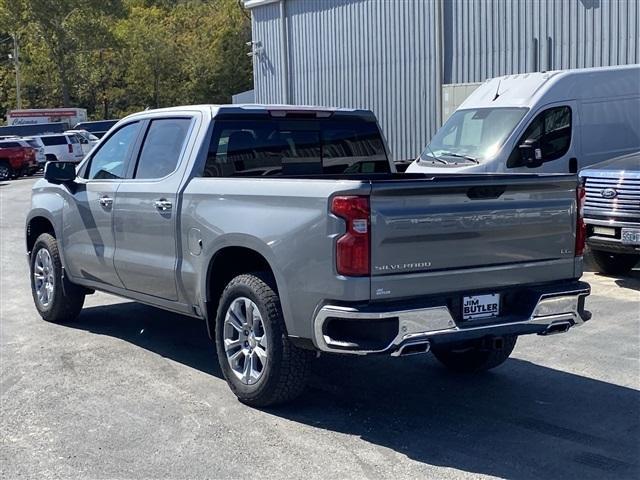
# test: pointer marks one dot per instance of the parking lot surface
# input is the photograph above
(129, 391)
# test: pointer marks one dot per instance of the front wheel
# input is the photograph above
(260, 364)
(54, 303)
(614, 263)
(476, 356)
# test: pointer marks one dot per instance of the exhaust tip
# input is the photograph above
(560, 327)
(412, 348)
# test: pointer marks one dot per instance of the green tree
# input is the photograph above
(115, 57)
(67, 27)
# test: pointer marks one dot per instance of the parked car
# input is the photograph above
(87, 140)
(612, 213)
(553, 122)
(62, 148)
(38, 146)
(97, 128)
(16, 158)
(288, 231)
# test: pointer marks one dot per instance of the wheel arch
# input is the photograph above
(224, 264)
(37, 224)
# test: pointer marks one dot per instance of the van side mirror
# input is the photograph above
(530, 154)
(60, 172)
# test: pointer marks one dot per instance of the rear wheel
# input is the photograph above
(260, 364)
(614, 263)
(56, 299)
(5, 171)
(476, 356)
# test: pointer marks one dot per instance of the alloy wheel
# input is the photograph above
(245, 340)
(43, 277)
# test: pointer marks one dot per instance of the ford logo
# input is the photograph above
(608, 193)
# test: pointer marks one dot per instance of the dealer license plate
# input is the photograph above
(480, 306)
(631, 236)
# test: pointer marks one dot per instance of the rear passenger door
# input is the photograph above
(145, 215)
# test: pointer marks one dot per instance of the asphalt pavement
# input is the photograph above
(129, 391)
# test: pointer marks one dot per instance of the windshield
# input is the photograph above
(472, 135)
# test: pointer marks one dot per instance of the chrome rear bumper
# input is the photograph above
(553, 313)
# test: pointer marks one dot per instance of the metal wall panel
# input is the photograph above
(453, 95)
(382, 54)
(489, 38)
(267, 60)
(370, 54)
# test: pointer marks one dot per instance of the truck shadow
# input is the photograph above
(520, 421)
(630, 280)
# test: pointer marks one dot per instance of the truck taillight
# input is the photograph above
(352, 248)
(70, 147)
(581, 228)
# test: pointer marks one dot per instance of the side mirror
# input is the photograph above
(60, 172)
(530, 154)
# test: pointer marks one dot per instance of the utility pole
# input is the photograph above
(16, 60)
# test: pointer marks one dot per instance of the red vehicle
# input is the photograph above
(16, 158)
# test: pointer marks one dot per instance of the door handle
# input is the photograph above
(163, 204)
(106, 202)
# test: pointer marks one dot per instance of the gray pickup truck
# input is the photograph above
(289, 232)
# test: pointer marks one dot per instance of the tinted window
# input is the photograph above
(110, 160)
(73, 139)
(284, 147)
(353, 147)
(162, 146)
(550, 131)
(57, 140)
(33, 143)
(9, 145)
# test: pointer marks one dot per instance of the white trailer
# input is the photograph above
(33, 116)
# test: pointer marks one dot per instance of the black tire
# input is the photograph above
(476, 356)
(614, 263)
(50, 157)
(5, 171)
(65, 303)
(284, 376)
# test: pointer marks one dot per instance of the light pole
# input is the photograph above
(16, 61)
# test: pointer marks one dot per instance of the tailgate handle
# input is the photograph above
(483, 193)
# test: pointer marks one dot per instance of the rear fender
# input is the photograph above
(251, 243)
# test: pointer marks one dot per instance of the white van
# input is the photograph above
(556, 122)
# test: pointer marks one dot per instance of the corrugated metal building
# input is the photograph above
(397, 57)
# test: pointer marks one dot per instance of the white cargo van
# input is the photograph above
(556, 122)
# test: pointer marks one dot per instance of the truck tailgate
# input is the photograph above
(468, 233)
